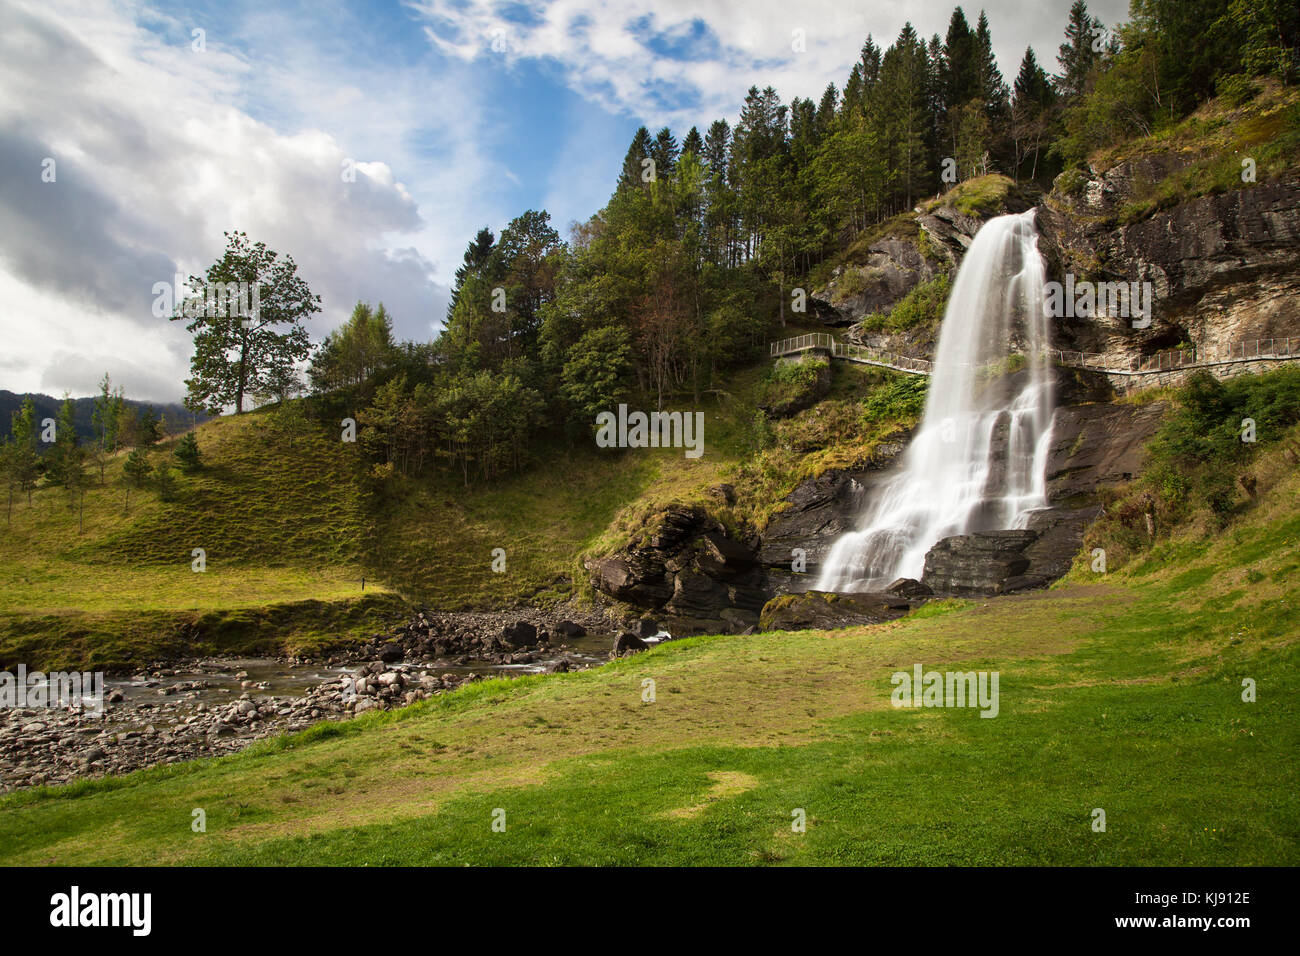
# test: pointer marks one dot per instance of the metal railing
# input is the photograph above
(1171, 360)
(825, 342)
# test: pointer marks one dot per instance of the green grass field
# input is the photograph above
(1121, 693)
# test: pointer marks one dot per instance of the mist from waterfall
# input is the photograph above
(979, 458)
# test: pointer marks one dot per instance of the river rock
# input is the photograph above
(520, 634)
(627, 643)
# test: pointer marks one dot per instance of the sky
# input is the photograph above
(134, 135)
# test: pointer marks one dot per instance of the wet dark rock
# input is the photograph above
(909, 588)
(628, 643)
(520, 634)
(570, 629)
(983, 563)
(646, 627)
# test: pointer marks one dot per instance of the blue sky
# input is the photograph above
(455, 114)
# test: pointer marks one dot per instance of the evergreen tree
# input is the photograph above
(106, 419)
(1031, 106)
(478, 256)
(66, 453)
(1077, 56)
(959, 77)
(135, 473)
(165, 481)
(25, 460)
(904, 83)
(664, 152)
(693, 143)
(640, 150)
(187, 453)
(826, 111)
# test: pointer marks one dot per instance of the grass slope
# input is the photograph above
(290, 525)
(1122, 693)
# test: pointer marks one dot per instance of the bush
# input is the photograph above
(901, 399)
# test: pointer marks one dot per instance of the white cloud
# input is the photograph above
(157, 154)
(600, 44)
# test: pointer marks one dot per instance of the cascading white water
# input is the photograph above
(978, 461)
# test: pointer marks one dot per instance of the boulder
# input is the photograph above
(909, 588)
(830, 610)
(568, 629)
(628, 643)
(519, 634)
(978, 564)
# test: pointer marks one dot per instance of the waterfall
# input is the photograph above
(978, 461)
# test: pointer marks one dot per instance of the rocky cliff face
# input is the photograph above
(1223, 268)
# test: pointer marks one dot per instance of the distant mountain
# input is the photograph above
(176, 416)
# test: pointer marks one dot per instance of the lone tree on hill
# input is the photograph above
(237, 352)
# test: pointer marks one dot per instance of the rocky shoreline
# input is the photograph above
(182, 710)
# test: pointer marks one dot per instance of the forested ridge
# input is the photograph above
(689, 268)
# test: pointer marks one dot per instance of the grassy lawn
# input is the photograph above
(1122, 693)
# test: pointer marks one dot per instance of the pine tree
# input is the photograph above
(106, 420)
(477, 257)
(693, 143)
(1030, 108)
(1076, 55)
(165, 481)
(633, 162)
(664, 152)
(187, 453)
(904, 74)
(959, 79)
(66, 451)
(25, 461)
(135, 473)
(826, 110)
(991, 87)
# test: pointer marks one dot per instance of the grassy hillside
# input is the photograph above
(290, 525)
(1121, 692)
